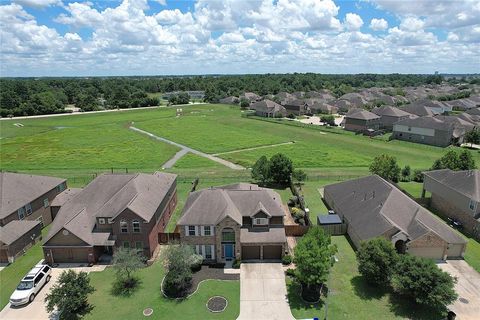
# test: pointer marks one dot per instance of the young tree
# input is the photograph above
(178, 262)
(473, 137)
(466, 161)
(328, 119)
(417, 175)
(299, 175)
(69, 295)
(386, 167)
(454, 161)
(281, 169)
(244, 103)
(126, 262)
(406, 171)
(376, 261)
(421, 280)
(261, 170)
(313, 258)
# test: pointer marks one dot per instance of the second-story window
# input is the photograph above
(28, 209)
(136, 226)
(21, 213)
(260, 221)
(207, 231)
(123, 226)
(46, 203)
(191, 231)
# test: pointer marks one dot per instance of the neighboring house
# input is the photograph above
(456, 195)
(440, 131)
(269, 109)
(342, 105)
(240, 221)
(284, 97)
(16, 237)
(297, 107)
(114, 210)
(390, 115)
(474, 111)
(61, 199)
(250, 96)
(28, 197)
(419, 110)
(360, 120)
(372, 207)
(324, 108)
(230, 100)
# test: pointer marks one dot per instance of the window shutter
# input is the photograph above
(196, 230)
(186, 231)
(212, 230)
(202, 231)
(213, 251)
(197, 249)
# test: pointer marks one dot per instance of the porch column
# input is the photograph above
(261, 252)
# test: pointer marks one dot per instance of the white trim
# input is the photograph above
(213, 251)
(202, 230)
(212, 230)
(186, 231)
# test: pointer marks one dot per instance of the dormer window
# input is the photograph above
(101, 220)
(260, 221)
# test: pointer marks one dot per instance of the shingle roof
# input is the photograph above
(466, 182)
(65, 196)
(16, 190)
(418, 110)
(426, 122)
(361, 114)
(390, 111)
(273, 235)
(13, 230)
(107, 196)
(374, 206)
(210, 206)
(267, 106)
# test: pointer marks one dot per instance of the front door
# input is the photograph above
(228, 251)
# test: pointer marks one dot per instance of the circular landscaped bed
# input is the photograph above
(148, 312)
(217, 304)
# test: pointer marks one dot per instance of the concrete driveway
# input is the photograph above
(467, 306)
(36, 309)
(263, 293)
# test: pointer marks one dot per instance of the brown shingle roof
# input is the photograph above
(373, 206)
(273, 235)
(390, 111)
(466, 182)
(16, 190)
(65, 196)
(107, 196)
(361, 114)
(13, 230)
(210, 206)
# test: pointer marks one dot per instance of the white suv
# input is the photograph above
(31, 284)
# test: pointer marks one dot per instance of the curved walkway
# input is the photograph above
(172, 161)
(263, 292)
(254, 148)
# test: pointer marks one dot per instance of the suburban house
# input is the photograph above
(474, 111)
(360, 120)
(390, 115)
(297, 107)
(24, 210)
(269, 109)
(61, 199)
(114, 210)
(250, 96)
(372, 207)
(418, 110)
(440, 131)
(325, 108)
(230, 100)
(284, 97)
(456, 195)
(239, 221)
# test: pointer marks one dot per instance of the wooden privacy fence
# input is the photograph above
(168, 237)
(295, 230)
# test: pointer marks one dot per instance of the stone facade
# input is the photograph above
(227, 223)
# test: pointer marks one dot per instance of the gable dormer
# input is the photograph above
(260, 216)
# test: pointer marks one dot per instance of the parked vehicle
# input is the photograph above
(31, 284)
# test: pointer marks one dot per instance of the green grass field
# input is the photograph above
(148, 295)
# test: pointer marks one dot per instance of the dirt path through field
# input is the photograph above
(253, 148)
(186, 149)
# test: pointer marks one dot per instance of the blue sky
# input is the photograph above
(147, 37)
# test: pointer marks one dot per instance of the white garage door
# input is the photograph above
(455, 251)
(427, 252)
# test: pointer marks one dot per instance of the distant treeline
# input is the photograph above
(28, 96)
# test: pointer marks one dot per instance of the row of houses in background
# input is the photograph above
(239, 221)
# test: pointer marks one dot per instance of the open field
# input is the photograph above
(148, 295)
(350, 297)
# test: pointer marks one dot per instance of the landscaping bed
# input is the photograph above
(217, 304)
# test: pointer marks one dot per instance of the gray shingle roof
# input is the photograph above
(65, 196)
(13, 230)
(16, 190)
(273, 235)
(267, 106)
(210, 206)
(107, 196)
(373, 206)
(361, 114)
(390, 111)
(427, 122)
(466, 182)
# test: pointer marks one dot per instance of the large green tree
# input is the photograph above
(69, 295)
(126, 262)
(281, 169)
(386, 167)
(421, 280)
(455, 161)
(473, 137)
(313, 258)
(261, 170)
(179, 260)
(377, 259)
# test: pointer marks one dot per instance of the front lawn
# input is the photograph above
(11, 275)
(351, 297)
(148, 295)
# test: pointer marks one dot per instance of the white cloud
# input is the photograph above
(39, 3)
(161, 2)
(353, 21)
(378, 24)
(412, 24)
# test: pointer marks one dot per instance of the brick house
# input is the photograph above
(268, 108)
(297, 107)
(114, 210)
(24, 209)
(372, 207)
(239, 221)
(390, 115)
(456, 195)
(360, 120)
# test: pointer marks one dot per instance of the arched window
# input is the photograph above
(228, 235)
(123, 226)
(136, 226)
